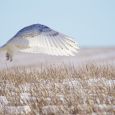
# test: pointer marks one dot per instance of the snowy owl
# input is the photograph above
(41, 39)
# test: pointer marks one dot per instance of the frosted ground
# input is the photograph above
(86, 55)
(45, 85)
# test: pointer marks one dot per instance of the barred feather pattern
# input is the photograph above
(39, 38)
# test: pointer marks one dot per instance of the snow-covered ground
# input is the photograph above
(85, 55)
(26, 97)
(64, 95)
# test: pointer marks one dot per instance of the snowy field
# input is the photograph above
(46, 85)
(85, 55)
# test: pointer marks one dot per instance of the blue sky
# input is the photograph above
(90, 22)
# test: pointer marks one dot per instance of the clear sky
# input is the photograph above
(90, 22)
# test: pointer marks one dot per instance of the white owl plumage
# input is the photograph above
(41, 39)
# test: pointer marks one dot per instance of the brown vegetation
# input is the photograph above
(58, 90)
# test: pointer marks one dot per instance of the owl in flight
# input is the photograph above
(40, 39)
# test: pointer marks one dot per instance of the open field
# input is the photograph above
(81, 85)
(86, 55)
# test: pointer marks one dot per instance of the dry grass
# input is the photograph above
(58, 90)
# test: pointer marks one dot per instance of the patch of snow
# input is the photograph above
(17, 110)
(61, 98)
(104, 107)
(102, 80)
(110, 82)
(51, 109)
(3, 100)
(27, 98)
(72, 83)
(101, 113)
(27, 87)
